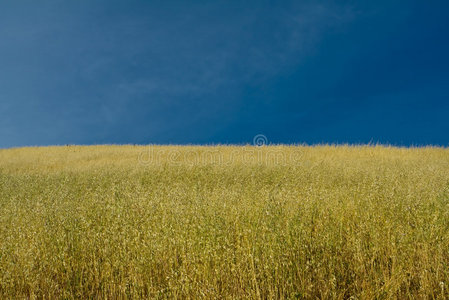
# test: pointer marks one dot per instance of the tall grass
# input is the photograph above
(120, 222)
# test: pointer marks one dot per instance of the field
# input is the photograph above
(224, 222)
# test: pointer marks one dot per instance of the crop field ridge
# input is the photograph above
(227, 222)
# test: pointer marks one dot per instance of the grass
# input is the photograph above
(367, 222)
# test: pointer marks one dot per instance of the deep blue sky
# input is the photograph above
(95, 72)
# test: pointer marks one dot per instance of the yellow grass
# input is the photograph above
(224, 222)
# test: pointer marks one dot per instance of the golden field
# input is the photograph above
(196, 222)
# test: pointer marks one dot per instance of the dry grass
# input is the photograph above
(224, 222)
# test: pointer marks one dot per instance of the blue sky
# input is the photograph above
(96, 72)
